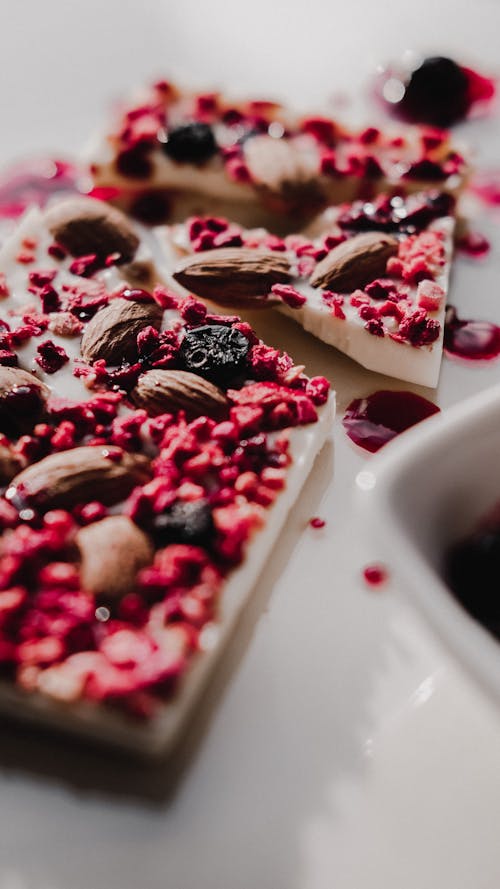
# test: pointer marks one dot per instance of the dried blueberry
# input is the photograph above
(436, 93)
(191, 143)
(184, 522)
(214, 351)
(396, 213)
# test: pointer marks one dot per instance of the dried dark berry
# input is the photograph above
(191, 143)
(214, 351)
(412, 213)
(436, 93)
(185, 522)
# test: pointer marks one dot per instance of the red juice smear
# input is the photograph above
(486, 186)
(469, 339)
(474, 244)
(375, 575)
(373, 421)
(34, 182)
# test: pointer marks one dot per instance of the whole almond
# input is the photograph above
(85, 225)
(273, 162)
(168, 391)
(354, 262)
(86, 473)
(112, 551)
(233, 276)
(284, 169)
(22, 399)
(112, 332)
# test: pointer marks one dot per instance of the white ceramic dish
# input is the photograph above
(426, 491)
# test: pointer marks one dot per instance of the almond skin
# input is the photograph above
(22, 400)
(168, 391)
(233, 276)
(10, 464)
(112, 333)
(112, 551)
(354, 262)
(84, 226)
(65, 479)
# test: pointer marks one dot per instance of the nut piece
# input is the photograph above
(112, 333)
(285, 170)
(166, 391)
(354, 262)
(233, 276)
(112, 551)
(140, 273)
(85, 225)
(22, 399)
(77, 476)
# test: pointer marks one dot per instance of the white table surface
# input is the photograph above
(340, 747)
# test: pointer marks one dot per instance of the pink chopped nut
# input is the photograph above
(430, 295)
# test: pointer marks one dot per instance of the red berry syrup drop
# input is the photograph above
(375, 575)
(373, 421)
(474, 244)
(471, 340)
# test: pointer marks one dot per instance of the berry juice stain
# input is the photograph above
(486, 186)
(469, 339)
(474, 245)
(373, 421)
(34, 182)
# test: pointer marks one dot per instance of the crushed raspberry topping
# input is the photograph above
(289, 295)
(419, 256)
(207, 490)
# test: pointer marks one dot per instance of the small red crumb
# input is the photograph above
(316, 522)
(289, 295)
(56, 251)
(25, 257)
(238, 170)
(375, 575)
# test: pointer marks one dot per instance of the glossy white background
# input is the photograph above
(341, 749)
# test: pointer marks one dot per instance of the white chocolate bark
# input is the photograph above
(284, 175)
(418, 364)
(81, 717)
